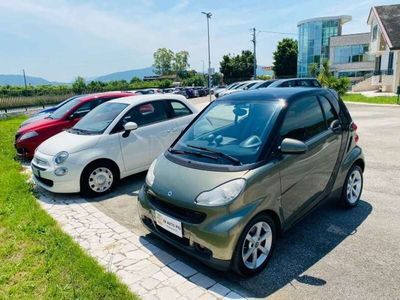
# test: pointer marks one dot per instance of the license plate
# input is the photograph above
(168, 223)
(35, 171)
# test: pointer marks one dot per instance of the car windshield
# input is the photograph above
(97, 120)
(61, 111)
(229, 132)
(66, 101)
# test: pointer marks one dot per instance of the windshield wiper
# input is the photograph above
(174, 151)
(81, 131)
(231, 158)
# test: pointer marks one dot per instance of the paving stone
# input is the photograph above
(195, 293)
(150, 283)
(202, 280)
(219, 290)
(160, 276)
(233, 296)
(175, 280)
(137, 254)
(182, 268)
(162, 258)
(167, 293)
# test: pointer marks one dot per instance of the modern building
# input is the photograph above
(384, 22)
(349, 56)
(314, 37)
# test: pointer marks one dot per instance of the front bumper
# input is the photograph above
(43, 169)
(212, 241)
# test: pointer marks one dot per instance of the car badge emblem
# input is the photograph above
(169, 194)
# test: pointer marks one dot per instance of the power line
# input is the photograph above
(277, 32)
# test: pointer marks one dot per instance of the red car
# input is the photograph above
(32, 135)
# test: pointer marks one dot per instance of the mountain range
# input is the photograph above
(18, 80)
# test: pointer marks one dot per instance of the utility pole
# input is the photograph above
(254, 53)
(23, 72)
(208, 15)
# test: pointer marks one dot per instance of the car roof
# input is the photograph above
(268, 94)
(138, 99)
(105, 94)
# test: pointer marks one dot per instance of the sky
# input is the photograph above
(61, 39)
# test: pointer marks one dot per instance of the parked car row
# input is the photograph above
(188, 92)
(223, 184)
(260, 84)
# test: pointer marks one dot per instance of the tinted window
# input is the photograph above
(147, 113)
(329, 111)
(179, 109)
(289, 83)
(60, 112)
(303, 83)
(303, 120)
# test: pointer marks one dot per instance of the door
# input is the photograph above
(182, 116)
(304, 177)
(149, 140)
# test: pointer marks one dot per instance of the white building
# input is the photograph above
(384, 46)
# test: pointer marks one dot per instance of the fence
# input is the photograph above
(8, 103)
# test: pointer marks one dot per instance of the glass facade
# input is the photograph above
(314, 38)
(350, 54)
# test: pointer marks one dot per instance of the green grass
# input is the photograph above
(377, 100)
(38, 260)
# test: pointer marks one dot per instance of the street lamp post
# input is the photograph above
(208, 15)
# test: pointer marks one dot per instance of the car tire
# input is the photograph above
(352, 187)
(249, 265)
(98, 178)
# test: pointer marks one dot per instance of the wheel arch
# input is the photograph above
(103, 160)
(361, 163)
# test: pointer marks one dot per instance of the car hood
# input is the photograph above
(65, 141)
(35, 118)
(37, 124)
(186, 183)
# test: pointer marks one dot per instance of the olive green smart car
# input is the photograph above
(247, 168)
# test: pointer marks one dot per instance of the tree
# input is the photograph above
(195, 80)
(79, 85)
(180, 62)
(285, 58)
(163, 59)
(340, 85)
(239, 67)
(135, 79)
(313, 69)
(216, 78)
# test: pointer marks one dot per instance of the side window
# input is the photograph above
(147, 113)
(178, 109)
(329, 111)
(82, 110)
(303, 83)
(303, 120)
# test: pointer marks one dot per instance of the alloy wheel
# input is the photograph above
(257, 245)
(354, 185)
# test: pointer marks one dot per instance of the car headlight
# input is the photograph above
(61, 157)
(150, 174)
(28, 135)
(222, 194)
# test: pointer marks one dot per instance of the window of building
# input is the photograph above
(390, 61)
(374, 32)
(351, 53)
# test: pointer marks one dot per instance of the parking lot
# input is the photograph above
(332, 253)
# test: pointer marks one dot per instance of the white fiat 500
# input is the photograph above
(117, 139)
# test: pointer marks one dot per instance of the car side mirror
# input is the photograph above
(128, 128)
(336, 126)
(292, 146)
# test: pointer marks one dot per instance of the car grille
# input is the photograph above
(45, 181)
(180, 213)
